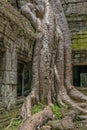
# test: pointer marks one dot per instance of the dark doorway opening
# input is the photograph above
(20, 79)
(23, 79)
(80, 76)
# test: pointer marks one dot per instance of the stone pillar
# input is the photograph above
(9, 87)
(2, 68)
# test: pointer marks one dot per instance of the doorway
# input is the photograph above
(23, 79)
(80, 76)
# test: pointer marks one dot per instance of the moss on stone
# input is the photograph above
(79, 41)
(76, 17)
(14, 17)
(79, 46)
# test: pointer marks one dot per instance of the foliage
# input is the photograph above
(56, 112)
(15, 124)
(37, 108)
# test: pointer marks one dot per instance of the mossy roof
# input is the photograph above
(8, 12)
(79, 41)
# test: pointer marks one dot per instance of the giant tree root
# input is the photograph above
(37, 120)
(64, 98)
(31, 99)
(64, 124)
(70, 96)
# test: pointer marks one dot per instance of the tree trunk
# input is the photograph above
(52, 57)
(37, 120)
(67, 93)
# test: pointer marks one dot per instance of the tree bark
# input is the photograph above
(67, 92)
(52, 57)
(37, 120)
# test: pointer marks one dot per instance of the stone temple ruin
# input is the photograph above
(76, 13)
(16, 40)
(16, 45)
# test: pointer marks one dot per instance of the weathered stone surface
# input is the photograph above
(79, 57)
(76, 12)
(6, 116)
(17, 28)
(16, 41)
(8, 98)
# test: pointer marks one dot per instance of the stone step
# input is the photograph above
(4, 124)
(6, 116)
(6, 120)
(4, 111)
(11, 114)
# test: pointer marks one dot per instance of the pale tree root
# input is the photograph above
(77, 95)
(66, 123)
(70, 96)
(37, 120)
(31, 99)
(64, 99)
(8, 127)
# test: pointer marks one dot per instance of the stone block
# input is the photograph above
(1, 76)
(6, 79)
(8, 96)
(8, 60)
(13, 77)
(2, 63)
(14, 61)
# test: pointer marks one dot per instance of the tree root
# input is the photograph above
(10, 123)
(37, 120)
(71, 96)
(32, 98)
(77, 95)
(64, 99)
(65, 123)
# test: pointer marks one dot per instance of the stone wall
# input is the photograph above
(16, 42)
(79, 57)
(17, 38)
(7, 116)
(76, 13)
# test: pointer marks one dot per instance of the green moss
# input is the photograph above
(79, 41)
(80, 46)
(56, 112)
(82, 34)
(36, 108)
(16, 20)
(15, 124)
(76, 17)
